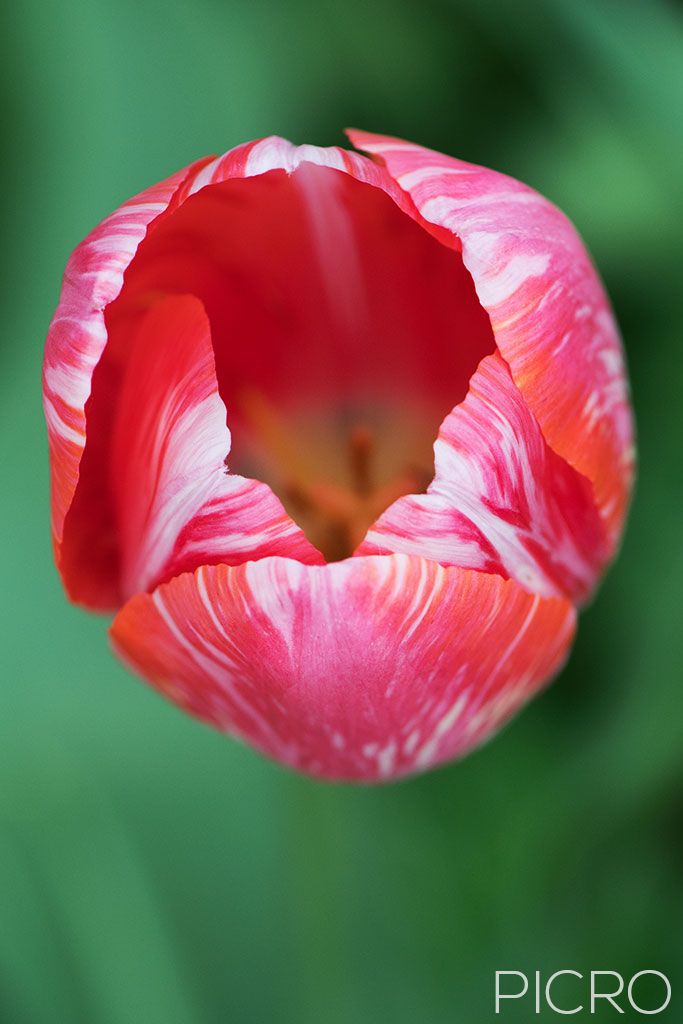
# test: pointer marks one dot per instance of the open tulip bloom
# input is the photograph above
(344, 439)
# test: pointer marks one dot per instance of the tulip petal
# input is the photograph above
(501, 500)
(162, 458)
(365, 669)
(550, 315)
(274, 153)
(178, 504)
(77, 335)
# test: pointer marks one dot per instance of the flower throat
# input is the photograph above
(343, 333)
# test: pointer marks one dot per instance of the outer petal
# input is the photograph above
(77, 335)
(178, 504)
(548, 310)
(501, 500)
(365, 669)
(274, 153)
(173, 504)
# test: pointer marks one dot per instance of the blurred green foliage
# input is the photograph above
(153, 871)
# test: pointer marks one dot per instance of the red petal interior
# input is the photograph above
(330, 309)
(318, 288)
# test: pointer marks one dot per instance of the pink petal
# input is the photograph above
(274, 153)
(162, 456)
(501, 500)
(549, 313)
(365, 669)
(77, 335)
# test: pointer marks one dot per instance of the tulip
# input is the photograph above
(345, 440)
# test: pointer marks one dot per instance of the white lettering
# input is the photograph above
(609, 996)
(510, 995)
(549, 1001)
(632, 1001)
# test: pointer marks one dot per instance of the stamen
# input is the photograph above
(269, 427)
(335, 517)
(361, 447)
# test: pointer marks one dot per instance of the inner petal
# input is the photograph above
(343, 334)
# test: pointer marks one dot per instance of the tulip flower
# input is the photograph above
(344, 439)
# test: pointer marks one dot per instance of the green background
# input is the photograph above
(153, 871)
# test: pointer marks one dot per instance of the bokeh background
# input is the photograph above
(153, 871)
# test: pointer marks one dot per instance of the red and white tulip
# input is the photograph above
(344, 439)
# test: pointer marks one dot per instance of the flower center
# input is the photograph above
(334, 501)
